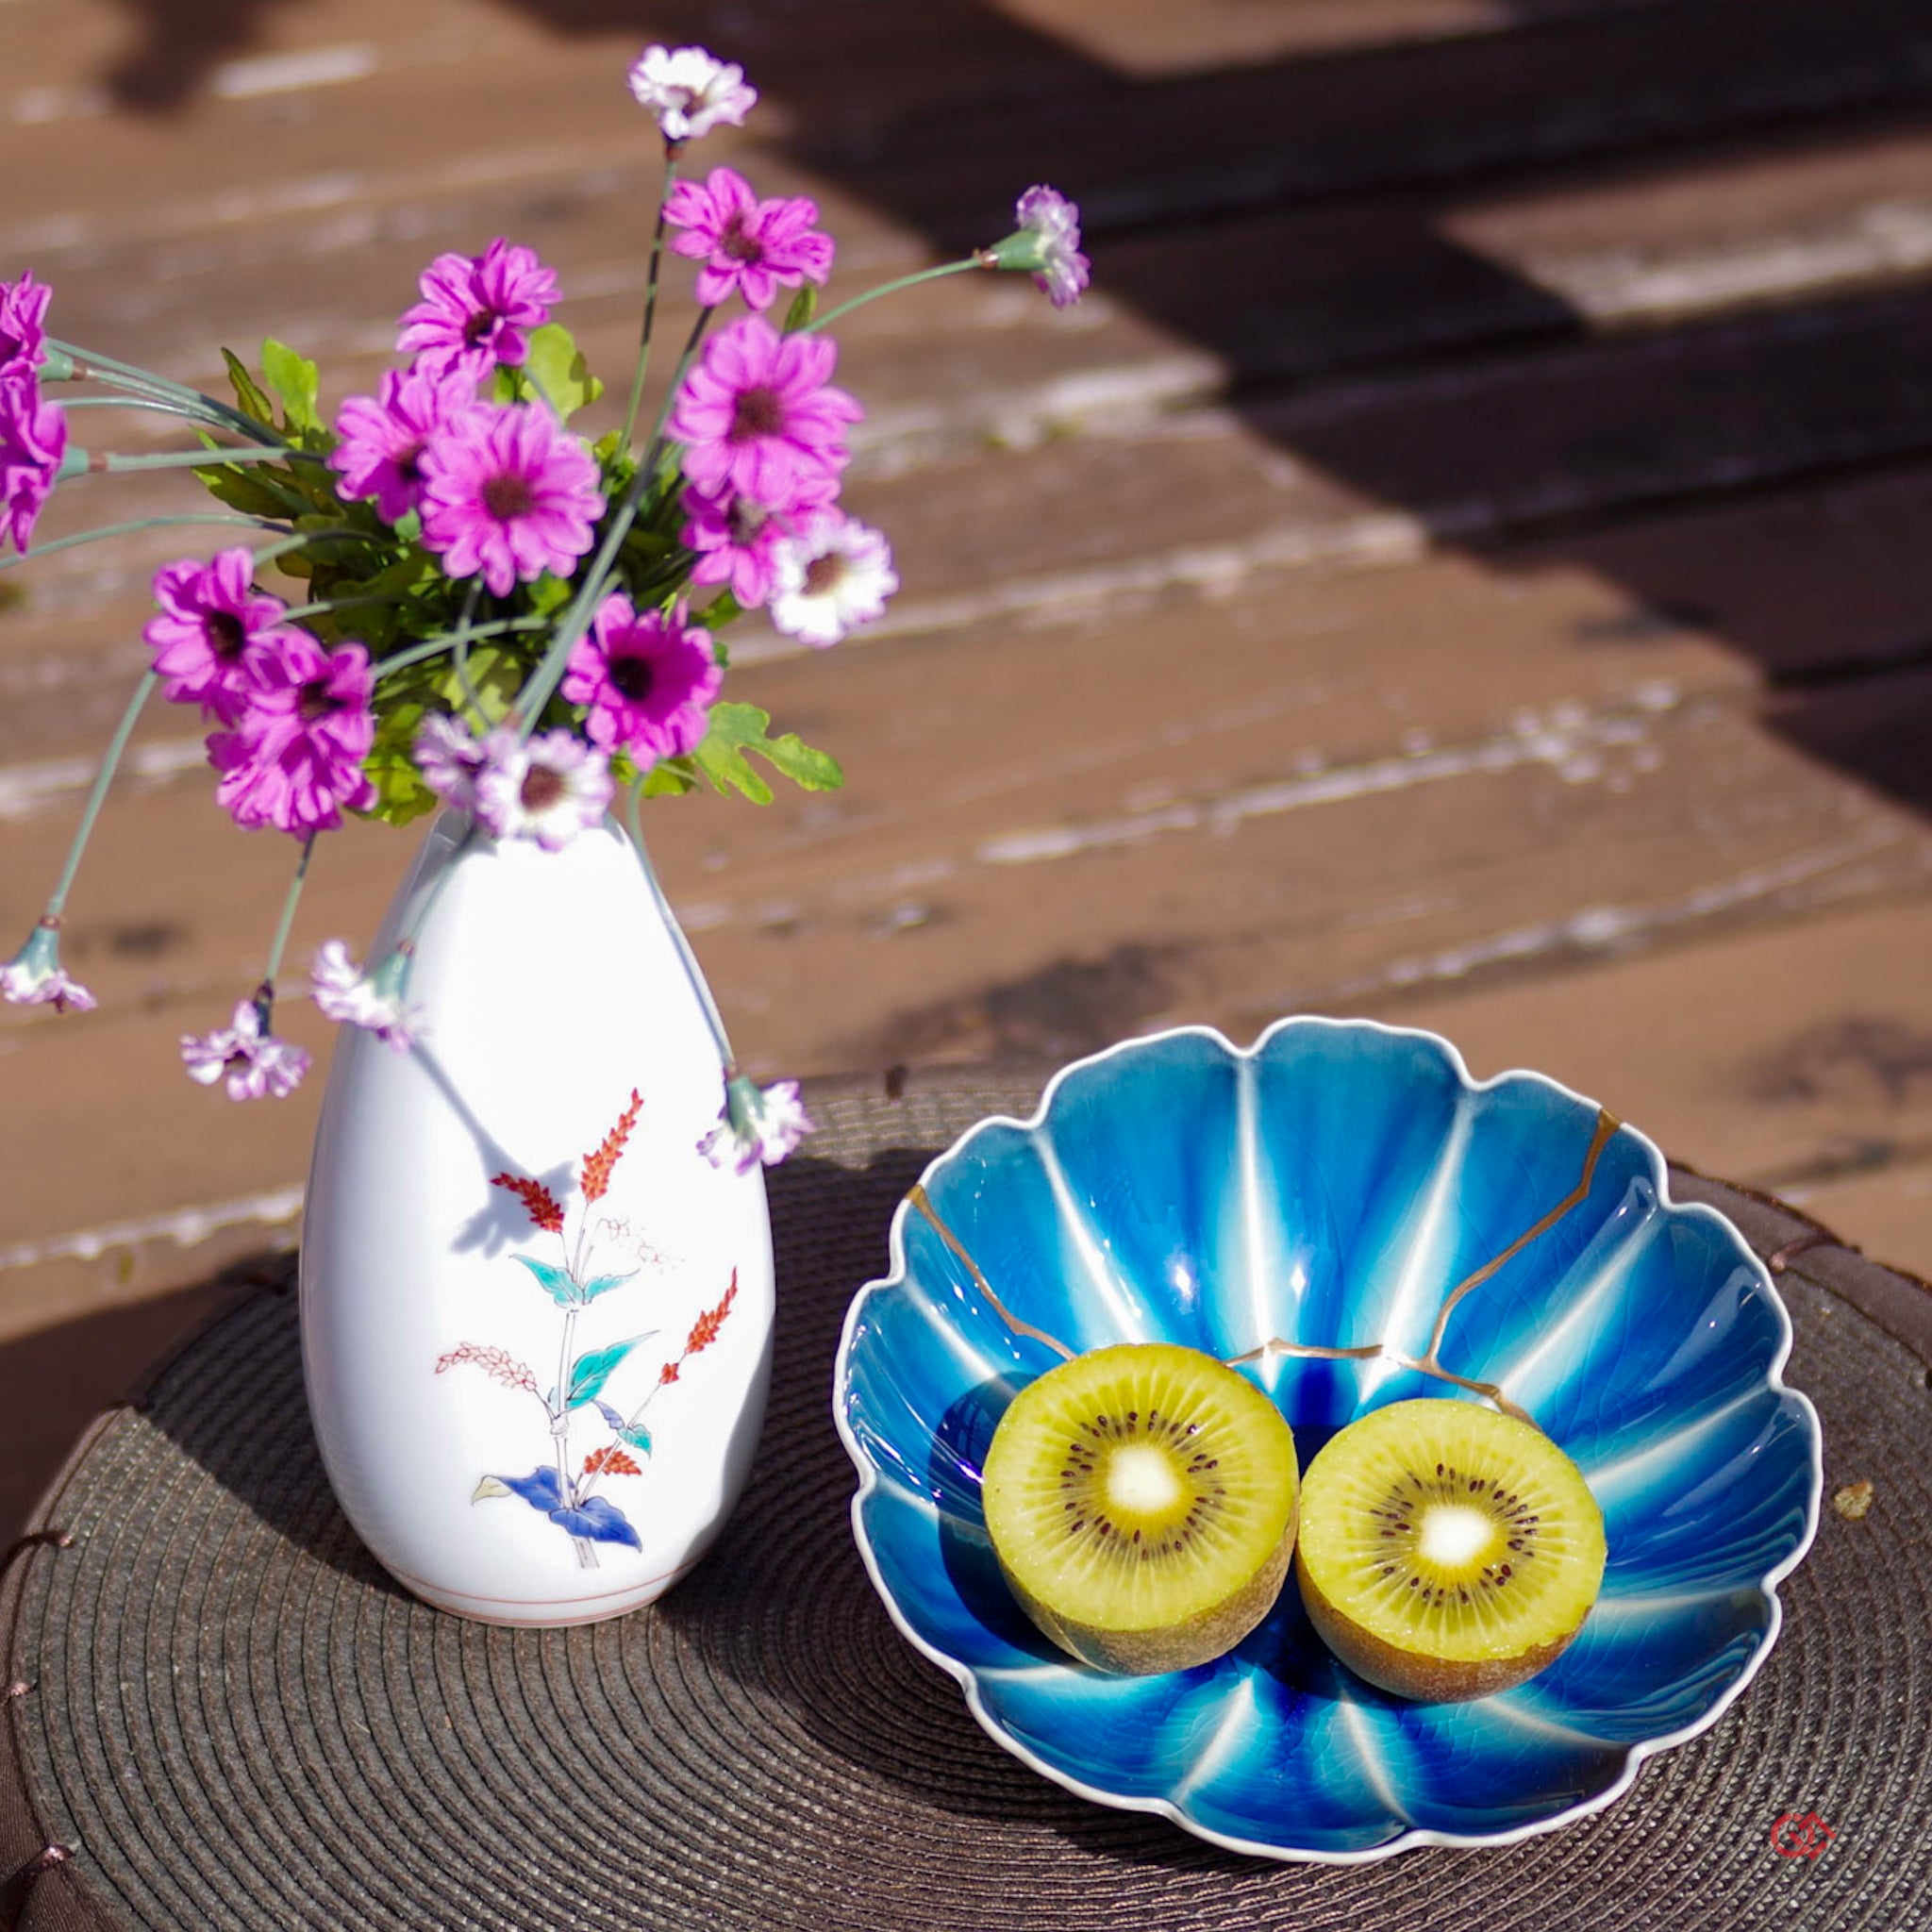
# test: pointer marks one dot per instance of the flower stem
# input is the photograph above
(270, 552)
(636, 382)
(434, 647)
(577, 619)
(103, 779)
(925, 275)
(288, 919)
(459, 657)
(706, 1004)
(89, 362)
(322, 604)
(130, 529)
(199, 459)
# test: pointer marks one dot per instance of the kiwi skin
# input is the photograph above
(1425, 1679)
(1147, 1653)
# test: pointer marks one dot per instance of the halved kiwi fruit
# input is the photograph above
(1142, 1500)
(1446, 1551)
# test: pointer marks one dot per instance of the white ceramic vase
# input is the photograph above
(536, 1370)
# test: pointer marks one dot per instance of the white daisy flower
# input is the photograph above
(757, 1124)
(830, 575)
(345, 993)
(255, 1064)
(448, 756)
(1046, 245)
(34, 976)
(691, 92)
(549, 790)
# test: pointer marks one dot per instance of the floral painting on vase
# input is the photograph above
(566, 1482)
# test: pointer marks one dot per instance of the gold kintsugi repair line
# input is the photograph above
(1607, 1124)
(1429, 1364)
(919, 1199)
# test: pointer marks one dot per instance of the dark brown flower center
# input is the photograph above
(479, 325)
(633, 677)
(507, 497)
(746, 519)
(224, 633)
(823, 574)
(739, 247)
(317, 701)
(541, 787)
(410, 463)
(761, 412)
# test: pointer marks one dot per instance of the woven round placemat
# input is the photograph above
(225, 1716)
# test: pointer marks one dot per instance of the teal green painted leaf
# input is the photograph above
(557, 366)
(638, 1437)
(296, 380)
(556, 1282)
(736, 730)
(604, 1283)
(590, 1373)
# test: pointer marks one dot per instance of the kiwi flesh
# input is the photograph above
(1142, 1500)
(1446, 1551)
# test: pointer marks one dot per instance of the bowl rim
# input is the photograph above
(1635, 1754)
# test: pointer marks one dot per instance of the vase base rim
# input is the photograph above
(544, 1613)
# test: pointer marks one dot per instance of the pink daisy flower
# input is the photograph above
(747, 244)
(35, 976)
(508, 492)
(33, 439)
(1046, 245)
(214, 623)
(648, 680)
(295, 757)
(757, 414)
(733, 538)
(246, 1055)
(549, 790)
(23, 319)
(475, 307)
(691, 92)
(448, 756)
(354, 998)
(381, 438)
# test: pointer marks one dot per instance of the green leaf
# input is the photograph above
(241, 489)
(590, 1373)
(805, 304)
(556, 367)
(736, 730)
(555, 1282)
(495, 676)
(247, 392)
(296, 380)
(671, 778)
(400, 792)
(638, 1437)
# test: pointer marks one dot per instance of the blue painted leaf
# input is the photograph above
(540, 1489)
(602, 1522)
(563, 1290)
(605, 1282)
(590, 1372)
(610, 1416)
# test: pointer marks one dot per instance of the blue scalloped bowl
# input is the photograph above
(1334, 1186)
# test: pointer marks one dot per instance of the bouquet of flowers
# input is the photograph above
(494, 612)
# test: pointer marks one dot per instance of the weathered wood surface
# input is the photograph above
(1467, 563)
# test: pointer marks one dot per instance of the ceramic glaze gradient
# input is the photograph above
(1333, 1187)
